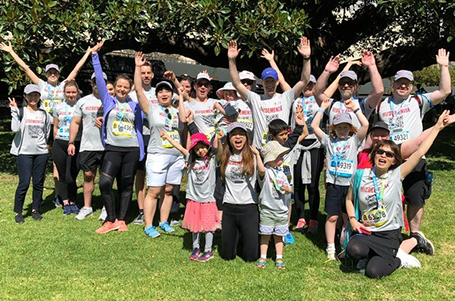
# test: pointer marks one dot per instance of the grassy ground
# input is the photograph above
(61, 258)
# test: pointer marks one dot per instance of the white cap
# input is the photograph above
(104, 76)
(247, 75)
(227, 87)
(202, 75)
(404, 74)
(312, 79)
(52, 66)
(30, 88)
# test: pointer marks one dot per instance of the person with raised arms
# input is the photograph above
(124, 147)
(271, 105)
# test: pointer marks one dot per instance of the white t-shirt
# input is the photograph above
(34, 135)
(308, 107)
(151, 96)
(120, 129)
(166, 119)
(204, 115)
(404, 118)
(64, 112)
(244, 114)
(201, 180)
(373, 215)
(272, 197)
(239, 187)
(265, 110)
(51, 95)
(341, 156)
(89, 108)
(339, 107)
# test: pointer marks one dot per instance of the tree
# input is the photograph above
(59, 31)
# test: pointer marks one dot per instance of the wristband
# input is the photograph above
(356, 110)
(321, 110)
(70, 142)
(306, 58)
(352, 216)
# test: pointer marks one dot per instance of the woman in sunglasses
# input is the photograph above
(164, 163)
(374, 205)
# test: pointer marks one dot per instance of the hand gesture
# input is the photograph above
(355, 225)
(304, 48)
(326, 103)
(12, 102)
(368, 59)
(7, 48)
(71, 150)
(89, 49)
(220, 134)
(233, 51)
(139, 59)
(442, 58)
(350, 104)
(333, 64)
(99, 122)
(267, 55)
(444, 119)
(97, 47)
(350, 64)
(299, 118)
(163, 134)
(189, 116)
(169, 75)
(254, 150)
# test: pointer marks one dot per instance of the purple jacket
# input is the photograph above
(110, 102)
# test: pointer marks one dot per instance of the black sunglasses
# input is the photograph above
(387, 153)
(203, 84)
(247, 81)
(169, 116)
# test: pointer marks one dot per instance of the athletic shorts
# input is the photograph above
(164, 169)
(90, 160)
(273, 224)
(415, 186)
(335, 199)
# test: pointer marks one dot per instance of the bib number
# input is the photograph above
(174, 135)
(64, 132)
(375, 218)
(122, 128)
(210, 133)
(400, 137)
(341, 167)
(247, 122)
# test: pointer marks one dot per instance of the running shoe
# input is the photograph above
(67, 209)
(122, 227)
(331, 254)
(107, 227)
(19, 218)
(139, 219)
(174, 223)
(166, 228)
(84, 213)
(151, 231)
(73, 208)
(195, 254)
(57, 202)
(423, 244)
(103, 214)
(261, 263)
(279, 263)
(313, 228)
(407, 260)
(300, 224)
(206, 256)
(36, 215)
(289, 239)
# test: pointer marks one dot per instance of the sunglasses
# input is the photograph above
(349, 82)
(387, 153)
(169, 116)
(203, 84)
(247, 81)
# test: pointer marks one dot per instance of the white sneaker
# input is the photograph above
(84, 212)
(174, 223)
(408, 261)
(331, 254)
(103, 214)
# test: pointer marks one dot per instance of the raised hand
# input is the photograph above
(7, 48)
(444, 119)
(233, 50)
(97, 47)
(325, 103)
(350, 104)
(189, 116)
(169, 75)
(12, 102)
(267, 55)
(304, 48)
(442, 58)
(139, 59)
(333, 64)
(349, 64)
(254, 150)
(299, 118)
(368, 59)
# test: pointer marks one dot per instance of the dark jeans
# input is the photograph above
(30, 166)
(67, 167)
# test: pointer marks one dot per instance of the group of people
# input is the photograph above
(248, 156)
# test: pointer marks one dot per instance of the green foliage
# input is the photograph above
(430, 76)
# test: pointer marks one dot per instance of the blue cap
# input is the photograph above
(269, 72)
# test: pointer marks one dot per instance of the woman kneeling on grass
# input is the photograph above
(375, 208)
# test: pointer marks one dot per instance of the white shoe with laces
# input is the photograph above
(331, 254)
(84, 212)
(408, 261)
(103, 214)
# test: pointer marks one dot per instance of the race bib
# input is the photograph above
(375, 218)
(400, 137)
(210, 133)
(265, 137)
(341, 167)
(287, 171)
(174, 135)
(247, 122)
(122, 128)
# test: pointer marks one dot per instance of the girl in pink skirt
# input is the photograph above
(201, 214)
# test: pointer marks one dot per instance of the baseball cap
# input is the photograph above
(342, 118)
(269, 72)
(163, 85)
(52, 66)
(312, 79)
(380, 125)
(202, 76)
(94, 76)
(236, 125)
(272, 150)
(247, 75)
(30, 88)
(349, 74)
(404, 74)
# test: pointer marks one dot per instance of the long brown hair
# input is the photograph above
(247, 157)
(395, 149)
(332, 127)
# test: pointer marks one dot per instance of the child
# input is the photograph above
(273, 219)
(341, 155)
(201, 213)
(278, 131)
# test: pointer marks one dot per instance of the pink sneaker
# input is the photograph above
(300, 224)
(107, 227)
(122, 227)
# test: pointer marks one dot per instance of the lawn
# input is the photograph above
(61, 258)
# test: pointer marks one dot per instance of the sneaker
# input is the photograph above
(107, 227)
(300, 224)
(67, 209)
(151, 231)
(175, 207)
(74, 209)
(407, 260)
(36, 215)
(174, 223)
(84, 212)
(103, 214)
(313, 228)
(122, 227)
(423, 244)
(279, 263)
(139, 219)
(289, 239)
(166, 228)
(195, 254)
(56, 202)
(206, 256)
(261, 263)
(330, 254)
(19, 219)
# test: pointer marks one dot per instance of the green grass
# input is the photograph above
(61, 258)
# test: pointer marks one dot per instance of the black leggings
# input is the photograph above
(240, 222)
(115, 162)
(68, 167)
(377, 266)
(317, 162)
